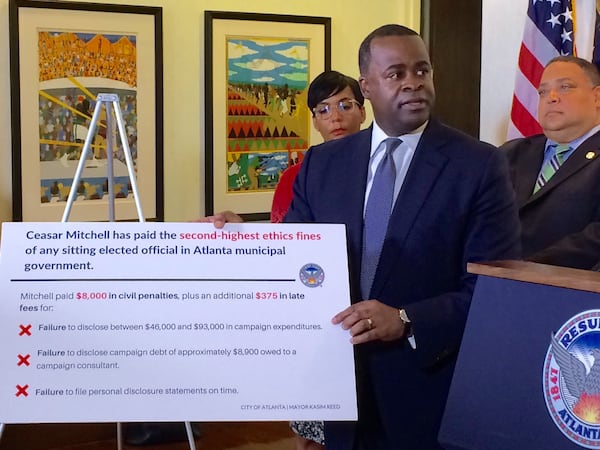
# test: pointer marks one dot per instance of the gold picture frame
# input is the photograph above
(62, 55)
(258, 68)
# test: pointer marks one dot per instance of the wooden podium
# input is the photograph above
(521, 376)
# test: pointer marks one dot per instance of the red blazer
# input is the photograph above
(282, 198)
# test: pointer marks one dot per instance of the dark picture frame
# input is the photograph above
(257, 71)
(94, 48)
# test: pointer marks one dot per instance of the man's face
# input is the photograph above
(399, 83)
(339, 115)
(568, 103)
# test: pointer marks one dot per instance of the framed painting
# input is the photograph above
(258, 68)
(62, 56)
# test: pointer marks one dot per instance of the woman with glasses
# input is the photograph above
(336, 103)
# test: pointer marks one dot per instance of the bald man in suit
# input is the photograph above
(453, 204)
(560, 209)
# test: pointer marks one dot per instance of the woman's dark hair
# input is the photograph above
(330, 83)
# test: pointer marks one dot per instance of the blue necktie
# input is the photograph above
(377, 214)
(550, 167)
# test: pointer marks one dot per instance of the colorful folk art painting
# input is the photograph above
(268, 121)
(73, 68)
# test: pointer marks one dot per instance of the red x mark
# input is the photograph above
(22, 390)
(25, 330)
(23, 360)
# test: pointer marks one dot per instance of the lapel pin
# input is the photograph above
(590, 155)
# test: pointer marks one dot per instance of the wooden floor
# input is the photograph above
(214, 436)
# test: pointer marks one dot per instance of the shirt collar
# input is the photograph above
(411, 138)
(575, 142)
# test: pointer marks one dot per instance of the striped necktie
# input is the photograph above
(551, 166)
(377, 214)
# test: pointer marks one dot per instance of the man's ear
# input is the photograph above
(364, 87)
(596, 91)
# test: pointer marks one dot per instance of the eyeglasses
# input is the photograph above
(324, 110)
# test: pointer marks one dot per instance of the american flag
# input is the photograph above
(549, 31)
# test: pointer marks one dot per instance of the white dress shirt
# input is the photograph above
(403, 156)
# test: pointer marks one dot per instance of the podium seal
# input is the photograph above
(572, 379)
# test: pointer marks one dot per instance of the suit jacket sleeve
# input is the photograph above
(492, 232)
(455, 206)
(578, 250)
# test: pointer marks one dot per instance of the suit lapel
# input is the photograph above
(423, 173)
(530, 157)
(587, 152)
(356, 155)
(357, 163)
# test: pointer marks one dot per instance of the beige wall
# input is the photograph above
(183, 53)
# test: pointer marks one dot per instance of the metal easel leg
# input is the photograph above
(106, 100)
(119, 436)
(82, 158)
(127, 151)
(190, 435)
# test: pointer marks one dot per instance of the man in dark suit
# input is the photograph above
(453, 204)
(560, 209)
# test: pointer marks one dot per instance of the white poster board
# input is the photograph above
(173, 322)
